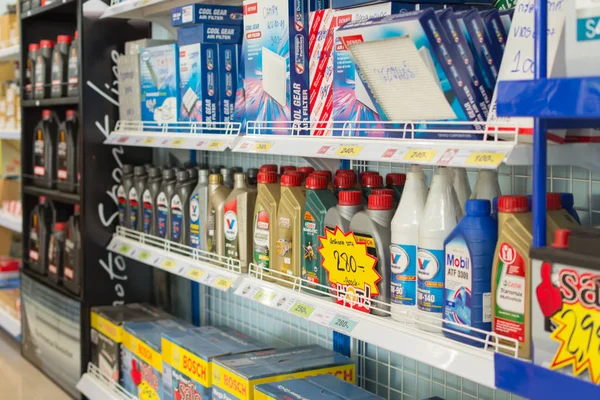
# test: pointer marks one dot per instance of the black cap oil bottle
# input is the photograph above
(122, 191)
(44, 162)
(66, 154)
(40, 222)
(71, 265)
(180, 208)
(56, 251)
(149, 214)
(372, 226)
(163, 204)
(135, 197)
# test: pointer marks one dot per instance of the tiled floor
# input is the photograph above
(19, 380)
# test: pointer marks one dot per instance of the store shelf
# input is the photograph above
(532, 381)
(196, 265)
(62, 101)
(53, 7)
(96, 386)
(12, 222)
(10, 324)
(207, 136)
(11, 53)
(44, 281)
(10, 134)
(405, 338)
(50, 194)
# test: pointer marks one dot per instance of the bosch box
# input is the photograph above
(211, 13)
(321, 387)
(188, 359)
(234, 377)
(107, 333)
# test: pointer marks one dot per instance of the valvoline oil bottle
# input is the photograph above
(468, 258)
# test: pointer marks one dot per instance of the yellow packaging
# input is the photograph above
(234, 377)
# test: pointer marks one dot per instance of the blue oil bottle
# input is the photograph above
(468, 258)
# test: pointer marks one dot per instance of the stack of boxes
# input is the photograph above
(9, 28)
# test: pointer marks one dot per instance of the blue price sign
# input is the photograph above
(341, 323)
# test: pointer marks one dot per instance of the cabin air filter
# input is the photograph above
(401, 82)
(189, 100)
(361, 94)
(274, 73)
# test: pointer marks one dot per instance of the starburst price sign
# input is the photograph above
(351, 268)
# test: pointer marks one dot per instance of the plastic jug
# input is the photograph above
(461, 186)
(66, 154)
(72, 260)
(405, 242)
(122, 190)
(237, 221)
(396, 182)
(558, 217)
(343, 182)
(180, 208)
(149, 211)
(469, 254)
(56, 251)
(285, 168)
(265, 219)
(370, 182)
(486, 186)
(372, 226)
(41, 219)
(163, 204)
(349, 203)
(217, 194)
(319, 199)
(440, 216)
(199, 211)
(44, 162)
(289, 226)
(511, 274)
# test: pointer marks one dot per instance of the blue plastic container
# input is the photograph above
(567, 202)
(468, 258)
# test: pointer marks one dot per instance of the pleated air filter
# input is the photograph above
(401, 80)
(274, 76)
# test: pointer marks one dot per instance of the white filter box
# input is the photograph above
(130, 108)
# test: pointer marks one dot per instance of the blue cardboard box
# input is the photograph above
(141, 362)
(421, 5)
(159, 83)
(210, 33)
(199, 87)
(231, 93)
(429, 38)
(188, 359)
(321, 387)
(210, 13)
(495, 30)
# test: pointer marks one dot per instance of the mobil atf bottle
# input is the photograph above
(264, 233)
(319, 199)
(511, 274)
(289, 227)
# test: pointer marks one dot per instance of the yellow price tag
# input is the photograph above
(485, 159)
(347, 259)
(124, 248)
(144, 255)
(262, 147)
(223, 283)
(168, 264)
(420, 155)
(148, 141)
(348, 151)
(214, 145)
(195, 273)
(177, 142)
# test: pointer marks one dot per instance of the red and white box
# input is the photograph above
(320, 47)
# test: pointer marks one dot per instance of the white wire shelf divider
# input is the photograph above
(207, 136)
(10, 324)
(96, 386)
(417, 336)
(196, 265)
(10, 221)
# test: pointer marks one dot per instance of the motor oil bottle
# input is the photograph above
(440, 216)
(252, 175)
(268, 167)
(461, 186)
(486, 186)
(217, 194)
(368, 183)
(405, 243)
(568, 203)
(286, 168)
(66, 154)
(306, 171)
(227, 175)
(163, 204)
(265, 219)
(59, 69)
(73, 66)
(469, 254)
(396, 182)
(149, 213)
(328, 175)
(343, 182)
(199, 211)
(193, 174)
(349, 203)
(558, 217)
(372, 226)
(180, 208)
(319, 199)
(136, 216)
(289, 225)
(237, 221)
(41, 219)
(56, 251)
(44, 162)
(72, 260)
(511, 274)
(122, 190)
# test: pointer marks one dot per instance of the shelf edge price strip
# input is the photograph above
(420, 155)
(480, 158)
(348, 151)
(222, 283)
(302, 310)
(262, 147)
(341, 323)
